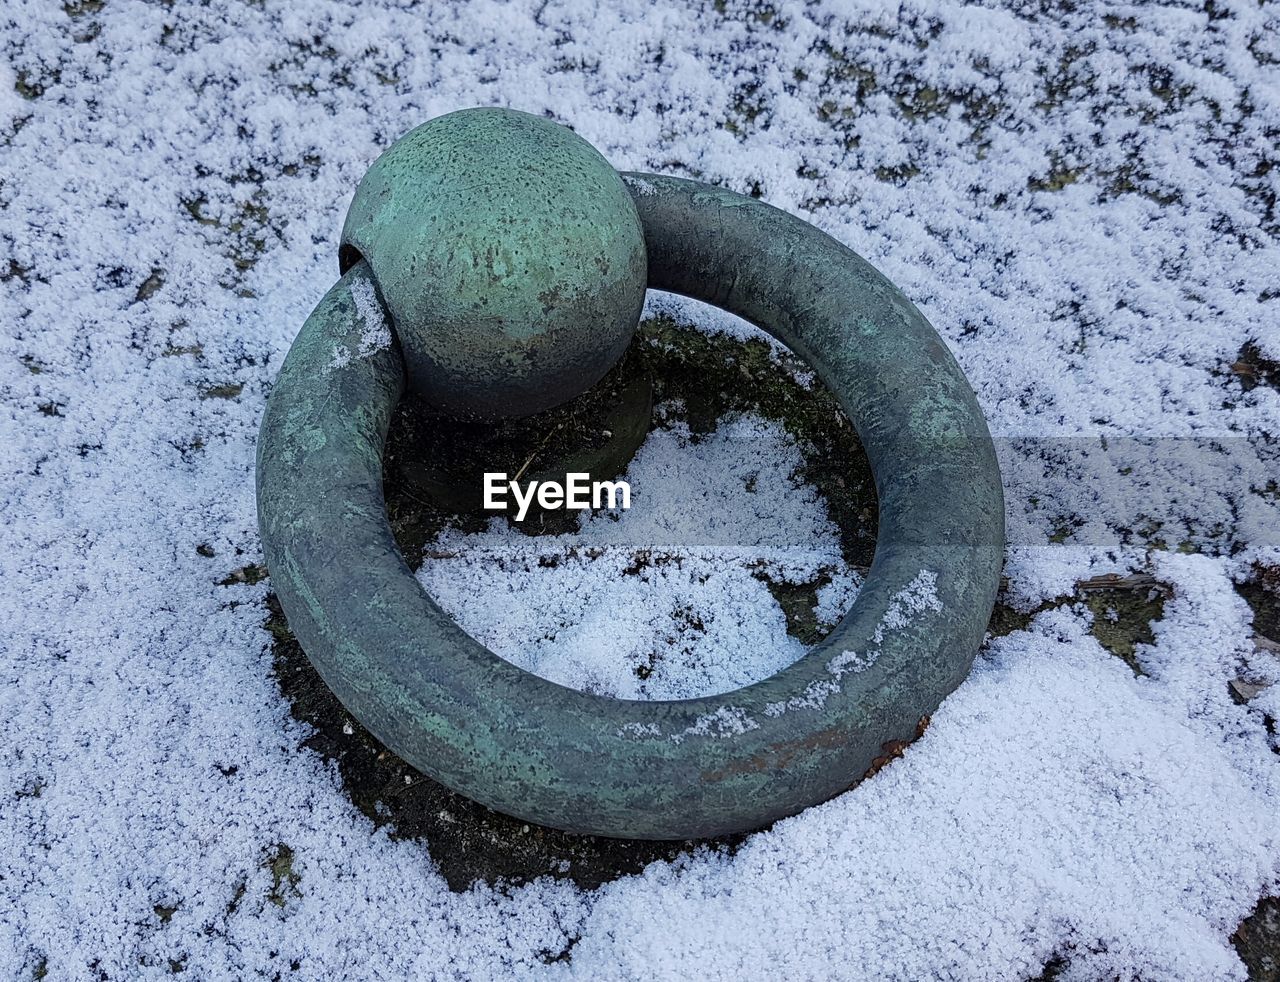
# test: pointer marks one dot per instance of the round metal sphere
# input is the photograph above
(509, 255)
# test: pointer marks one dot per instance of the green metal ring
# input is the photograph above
(657, 770)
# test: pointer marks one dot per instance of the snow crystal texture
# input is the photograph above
(666, 600)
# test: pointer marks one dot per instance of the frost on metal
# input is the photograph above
(375, 334)
(375, 328)
(640, 730)
(640, 186)
(814, 696)
(916, 597)
(919, 595)
(727, 721)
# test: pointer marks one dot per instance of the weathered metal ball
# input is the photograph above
(509, 255)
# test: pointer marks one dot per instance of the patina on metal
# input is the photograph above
(661, 770)
(510, 257)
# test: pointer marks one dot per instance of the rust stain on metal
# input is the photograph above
(780, 754)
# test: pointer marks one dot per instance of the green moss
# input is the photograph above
(896, 175)
(1127, 24)
(228, 390)
(31, 86)
(278, 626)
(1006, 619)
(798, 603)
(1060, 176)
(249, 575)
(1257, 941)
(284, 879)
(745, 108)
(244, 233)
(1131, 180)
(151, 285)
(1122, 619)
(176, 352)
(195, 209)
(1123, 608)
(79, 11)
(923, 103)
(842, 68)
(1262, 594)
(1060, 534)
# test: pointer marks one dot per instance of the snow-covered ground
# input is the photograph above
(698, 542)
(1081, 197)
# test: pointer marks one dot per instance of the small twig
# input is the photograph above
(416, 498)
(437, 554)
(1111, 581)
(536, 451)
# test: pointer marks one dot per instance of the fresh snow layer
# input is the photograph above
(666, 600)
(1079, 196)
(375, 329)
